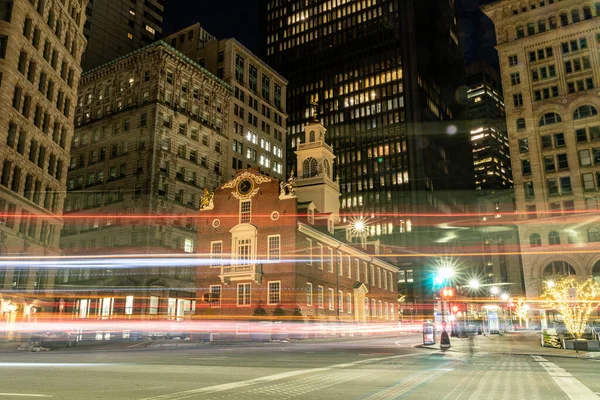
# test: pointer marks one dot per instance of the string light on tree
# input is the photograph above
(575, 300)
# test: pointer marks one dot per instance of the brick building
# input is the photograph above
(277, 248)
(40, 50)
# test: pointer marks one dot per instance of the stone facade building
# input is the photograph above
(257, 127)
(277, 248)
(150, 140)
(40, 51)
(549, 55)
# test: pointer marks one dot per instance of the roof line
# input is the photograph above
(168, 47)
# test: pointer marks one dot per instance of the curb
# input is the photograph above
(582, 356)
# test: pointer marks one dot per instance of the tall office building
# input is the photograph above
(149, 142)
(485, 114)
(385, 80)
(40, 50)
(257, 122)
(114, 28)
(549, 52)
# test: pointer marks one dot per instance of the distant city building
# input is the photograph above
(385, 80)
(550, 74)
(40, 50)
(485, 113)
(150, 140)
(499, 243)
(257, 127)
(277, 248)
(114, 28)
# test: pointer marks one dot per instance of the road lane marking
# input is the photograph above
(266, 379)
(54, 365)
(25, 395)
(573, 388)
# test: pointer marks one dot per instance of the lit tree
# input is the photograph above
(521, 311)
(575, 300)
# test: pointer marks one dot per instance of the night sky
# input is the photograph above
(221, 18)
(478, 36)
(239, 19)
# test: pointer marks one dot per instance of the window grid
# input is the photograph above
(243, 294)
(274, 247)
(245, 211)
(274, 293)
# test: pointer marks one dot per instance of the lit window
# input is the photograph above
(188, 245)
(130, 36)
(151, 29)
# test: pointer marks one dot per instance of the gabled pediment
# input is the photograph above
(361, 288)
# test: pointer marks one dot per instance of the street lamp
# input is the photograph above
(474, 284)
(504, 296)
(446, 272)
(494, 290)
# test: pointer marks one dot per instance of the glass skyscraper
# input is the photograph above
(386, 76)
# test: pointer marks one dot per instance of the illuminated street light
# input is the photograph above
(359, 226)
(494, 290)
(474, 284)
(446, 272)
(550, 284)
(504, 296)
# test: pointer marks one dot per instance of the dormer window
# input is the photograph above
(331, 225)
(311, 216)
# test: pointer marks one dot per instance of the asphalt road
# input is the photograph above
(376, 368)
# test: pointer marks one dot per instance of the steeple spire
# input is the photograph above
(315, 162)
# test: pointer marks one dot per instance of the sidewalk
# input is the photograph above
(521, 343)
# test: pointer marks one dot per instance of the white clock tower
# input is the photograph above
(315, 180)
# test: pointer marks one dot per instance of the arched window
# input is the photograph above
(596, 270)
(564, 19)
(541, 26)
(309, 168)
(520, 32)
(575, 17)
(327, 168)
(558, 268)
(552, 23)
(587, 12)
(553, 238)
(306, 168)
(311, 136)
(314, 167)
(585, 112)
(593, 235)
(550, 118)
(530, 29)
(535, 240)
(521, 124)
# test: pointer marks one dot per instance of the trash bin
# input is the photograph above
(428, 333)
